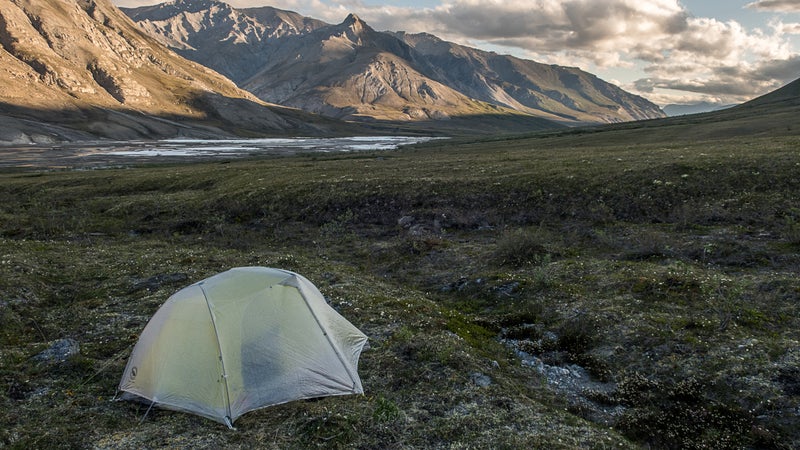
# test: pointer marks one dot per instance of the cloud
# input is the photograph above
(717, 60)
(720, 87)
(725, 85)
(787, 6)
(779, 69)
(785, 28)
(554, 25)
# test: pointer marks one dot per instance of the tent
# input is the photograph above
(241, 340)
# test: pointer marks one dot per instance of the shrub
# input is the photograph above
(680, 414)
(519, 248)
(578, 334)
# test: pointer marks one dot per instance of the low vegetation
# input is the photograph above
(546, 292)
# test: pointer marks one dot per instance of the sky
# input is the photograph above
(668, 51)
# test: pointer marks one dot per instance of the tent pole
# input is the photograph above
(327, 336)
(221, 359)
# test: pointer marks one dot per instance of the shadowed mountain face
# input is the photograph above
(351, 71)
(83, 67)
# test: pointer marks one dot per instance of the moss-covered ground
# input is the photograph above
(666, 270)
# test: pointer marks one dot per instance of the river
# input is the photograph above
(100, 154)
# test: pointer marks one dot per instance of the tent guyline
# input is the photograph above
(241, 340)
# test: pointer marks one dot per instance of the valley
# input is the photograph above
(538, 258)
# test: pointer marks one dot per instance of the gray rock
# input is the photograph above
(405, 221)
(480, 379)
(59, 351)
(507, 289)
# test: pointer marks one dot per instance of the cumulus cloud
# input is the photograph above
(787, 6)
(724, 85)
(549, 25)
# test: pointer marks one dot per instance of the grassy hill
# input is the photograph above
(610, 288)
(773, 114)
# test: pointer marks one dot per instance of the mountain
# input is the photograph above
(347, 71)
(561, 93)
(233, 42)
(774, 113)
(351, 71)
(693, 108)
(80, 69)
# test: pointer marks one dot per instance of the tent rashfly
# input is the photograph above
(241, 340)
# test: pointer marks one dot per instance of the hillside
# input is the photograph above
(349, 70)
(761, 115)
(772, 114)
(782, 99)
(82, 69)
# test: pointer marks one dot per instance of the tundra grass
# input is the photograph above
(663, 272)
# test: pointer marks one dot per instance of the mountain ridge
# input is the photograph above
(570, 96)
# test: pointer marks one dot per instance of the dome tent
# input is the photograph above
(241, 340)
